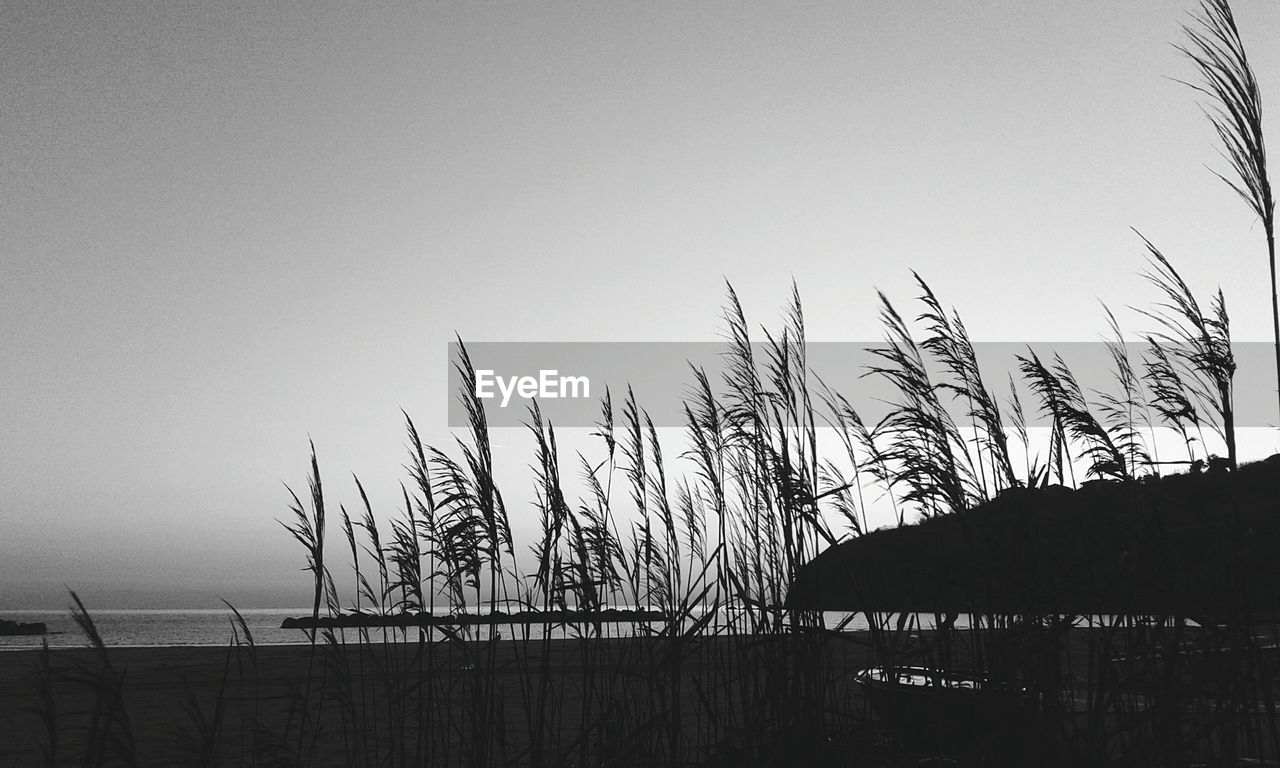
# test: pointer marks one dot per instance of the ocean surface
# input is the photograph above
(213, 627)
(124, 627)
(153, 627)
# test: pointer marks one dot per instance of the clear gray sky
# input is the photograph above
(227, 226)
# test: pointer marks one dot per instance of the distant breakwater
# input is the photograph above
(8, 627)
(362, 619)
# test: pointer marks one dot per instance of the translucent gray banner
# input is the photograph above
(569, 379)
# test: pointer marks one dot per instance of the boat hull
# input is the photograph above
(931, 712)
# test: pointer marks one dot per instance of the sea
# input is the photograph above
(159, 626)
(123, 628)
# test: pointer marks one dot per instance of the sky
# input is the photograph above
(231, 228)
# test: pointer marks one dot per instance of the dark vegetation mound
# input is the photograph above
(1196, 545)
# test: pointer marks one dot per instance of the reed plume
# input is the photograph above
(1235, 111)
(925, 448)
(1199, 342)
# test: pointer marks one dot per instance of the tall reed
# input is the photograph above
(1234, 109)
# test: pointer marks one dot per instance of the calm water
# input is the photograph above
(158, 627)
(120, 628)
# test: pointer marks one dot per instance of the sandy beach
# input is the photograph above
(454, 703)
(160, 685)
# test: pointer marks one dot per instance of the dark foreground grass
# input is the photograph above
(605, 702)
(610, 702)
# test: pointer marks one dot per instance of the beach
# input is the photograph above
(620, 701)
(586, 679)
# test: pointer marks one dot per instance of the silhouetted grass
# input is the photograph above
(720, 664)
(1235, 110)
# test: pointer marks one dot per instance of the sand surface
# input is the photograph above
(160, 684)
(439, 703)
